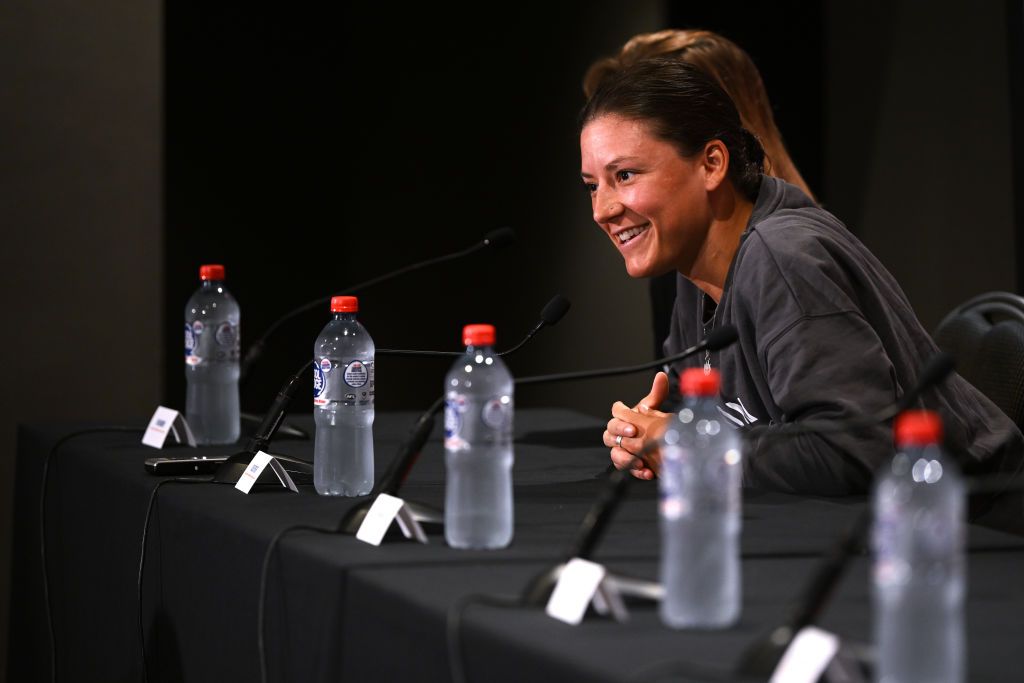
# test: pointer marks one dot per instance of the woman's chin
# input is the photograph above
(638, 270)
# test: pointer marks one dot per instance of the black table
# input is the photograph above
(338, 609)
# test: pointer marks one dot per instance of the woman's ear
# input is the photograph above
(715, 162)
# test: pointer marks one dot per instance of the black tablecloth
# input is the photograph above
(338, 609)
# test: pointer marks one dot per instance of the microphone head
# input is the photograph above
(501, 237)
(555, 309)
(938, 368)
(720, 337)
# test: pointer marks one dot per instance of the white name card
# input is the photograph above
(255, 468)
(580, 583)
(806, 657)
(166, 421)
(385, 510)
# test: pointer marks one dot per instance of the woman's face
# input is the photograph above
(650, 201)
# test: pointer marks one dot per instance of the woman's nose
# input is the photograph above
(606, 206)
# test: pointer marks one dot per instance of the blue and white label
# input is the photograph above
(351, 385)
(190, 340)
(357, 374)
(454, 414)
(319, 384)
(197, 327)
(192, 343)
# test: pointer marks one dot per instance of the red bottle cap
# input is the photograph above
(344, 304)
(213, 271)
(478, 335)
(918, 428)
(695, 382)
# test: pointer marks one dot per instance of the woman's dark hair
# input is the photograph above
(684, 107)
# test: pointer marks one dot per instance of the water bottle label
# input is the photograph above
(467, 420)
(356, 389)
(227, 335)
(454, 411)
(889, 568)
(191, 343)
(320, 382)
(497, 413)
(357, 374)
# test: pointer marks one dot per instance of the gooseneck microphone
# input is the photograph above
(718, 339)
(231, 469)
(597, 519)
(408, 452)
(583, 544)
(494, 239)
(938, 368)
(399, 467)
(935, 370)
(549, 315)
(763, 656)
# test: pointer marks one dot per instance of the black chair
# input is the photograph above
(986, 336)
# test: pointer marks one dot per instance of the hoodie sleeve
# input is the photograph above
(829, 367)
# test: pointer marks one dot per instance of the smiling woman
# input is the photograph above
(825, 332)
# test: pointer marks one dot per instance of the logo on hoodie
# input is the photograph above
(737, 413)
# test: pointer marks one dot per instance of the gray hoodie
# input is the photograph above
(825, 333)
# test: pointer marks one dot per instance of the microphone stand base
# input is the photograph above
(538, 590)
(853, 663)
(429, 518)
(230, 471)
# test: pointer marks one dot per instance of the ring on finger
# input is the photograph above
(618, 441)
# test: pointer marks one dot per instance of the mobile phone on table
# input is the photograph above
(178, 466)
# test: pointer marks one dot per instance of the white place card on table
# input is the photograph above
(167, 421)
(806, 657)
(385, 510)
(255, 468)
(580, 583)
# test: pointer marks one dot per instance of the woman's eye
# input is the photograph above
(623, 175)
(591, 187)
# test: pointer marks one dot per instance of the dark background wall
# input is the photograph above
(309, 150)
(80, 265)
(918, 143)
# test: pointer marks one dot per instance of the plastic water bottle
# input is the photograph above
(918, 541)
(700, 499)
(343, 404)
(478, 445)
(211, 360)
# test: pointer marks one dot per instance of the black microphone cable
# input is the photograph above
(718, 339)
(763, 655)
(618, 482)
(408, 451)
(496, 239)
(552, 312)
(142, 557)
(272, 420)
(596, 518)
(678, 671)
(453, 626)
(42, 529)
(264, 571)
(392, 478)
